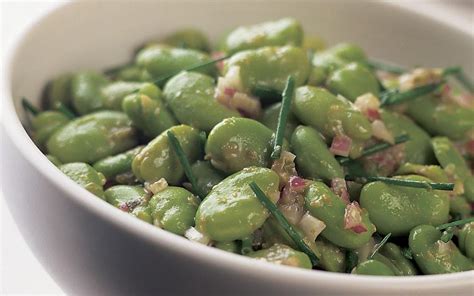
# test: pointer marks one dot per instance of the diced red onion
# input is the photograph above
(341, 145)
(311, 226)
(230, 91)
(369, 105)
(291, 202)
(285, 167)
(372, 114)
(298, 184)
(353, 218)
(124, 207)
(381, 132)
(218, 55)
(339, 187)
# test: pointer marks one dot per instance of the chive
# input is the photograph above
(246, 245)
(376, 148)
(380, 65)
(455, 223)
(66, 111)
(203, 137)
(295, 236)
(184, 162)
(447, 235)
(406, 252)
(392, 97)
(283, 116)
(379, 245)
(28, 107)
(403, 182)
(460, 76)
(351, 260)
(191, 68)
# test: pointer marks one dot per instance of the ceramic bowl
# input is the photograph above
(91, 248)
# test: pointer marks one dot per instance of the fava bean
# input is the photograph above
(92, 137)
(157, 159)
(231, 210)
(84, 175)
(434, 256)
(286, 31)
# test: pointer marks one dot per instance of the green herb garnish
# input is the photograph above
(375, 148)
(66, 111)
(28, 107)
(402, 182)
(351, 260)
(393, 97)
(246, 247)
(384, 66)
(191, 68)
(379, 245)
(406, 252)
(178, 150)
(283, 116)
(447, 235)
(295, 236)
(460, 76)
(455, 223)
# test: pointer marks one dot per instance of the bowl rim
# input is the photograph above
(24, 144)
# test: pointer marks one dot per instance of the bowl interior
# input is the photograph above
(96, 35)
(99, 35)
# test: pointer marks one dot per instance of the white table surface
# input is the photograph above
(20, 272)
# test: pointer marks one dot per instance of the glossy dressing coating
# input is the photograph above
(323, 204)
(231, 210)
(92, 137)
(173, 209)
(284, 255)
(397, 209)
(237, 143)
(191, 98)
(312, 155)
(434, 256)
(286, 31)
(157, 160)
(84, 175)
(269, 67)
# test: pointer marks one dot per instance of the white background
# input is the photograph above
(20, 272)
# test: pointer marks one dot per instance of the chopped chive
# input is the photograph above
(28, 107)
(379, 245)
(246, 245)
(403, 182)
(380, 65)
(283, 116)
(191, 68)
(406, 252)
(351, 260)
(184, 163)
(460, 76)
(447, 235)
(295, 236)
(376, 148)
(392, 97)
(203, 137)
(66, 111)
(451, 71)
(455, 223)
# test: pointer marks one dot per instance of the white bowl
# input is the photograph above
(91, 248)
